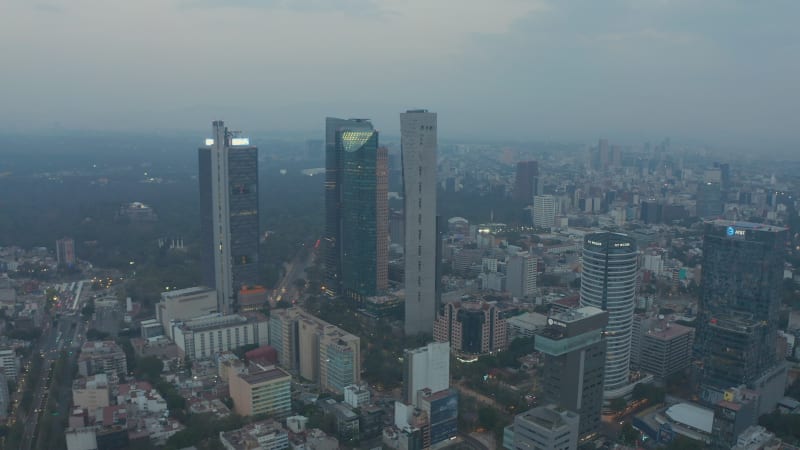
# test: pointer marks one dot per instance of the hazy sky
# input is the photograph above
(717, 70)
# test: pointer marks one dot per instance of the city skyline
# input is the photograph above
(716, 74)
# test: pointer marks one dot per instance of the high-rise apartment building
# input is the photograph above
(739, 303)
(65, 252)
(418, 145)
(425, 367)
(544, 211)
(228, 175)
(356, 209)
(521, 275)
(574, 350)
(526, 182)
(608, 282)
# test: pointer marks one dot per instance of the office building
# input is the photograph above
(660, 347)
(206, 336)
(709, 202)
(102, 357)
(738, 311)
(574, 350)
(265, 392)
(334, 171)
(5, 398)
(472, 328)
(9, 363)
(546, 427)
(441, 409)
(418, 145)
(608, 282)
(425, 367)
(185, 304)
(65, 252)
(229, 226)
(544, 211)
(315, 349)
(526, 182)
(356, 395)
(521, 275)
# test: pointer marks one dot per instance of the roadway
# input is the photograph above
(296, 268)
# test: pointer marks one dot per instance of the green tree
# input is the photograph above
(149, 368)
(628, 434)
(488, 417)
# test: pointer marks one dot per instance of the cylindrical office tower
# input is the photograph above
(608, 282)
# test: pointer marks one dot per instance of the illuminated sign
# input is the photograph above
(209, 142)
(240, 141)
(731, 231)
(590, 242)
(556, 323)
(622, 244)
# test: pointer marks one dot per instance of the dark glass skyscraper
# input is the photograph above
(229, 227)
(739, 302)
(356, 210)
(526, 182)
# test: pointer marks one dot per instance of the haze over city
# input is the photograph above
(719, 73)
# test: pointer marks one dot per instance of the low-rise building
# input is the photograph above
(102, 357)
(546, 427)
(185, 304)
(356, 395)
(266, 435)
(206, 336)
(91, 392)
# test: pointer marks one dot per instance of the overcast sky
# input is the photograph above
(720, 71)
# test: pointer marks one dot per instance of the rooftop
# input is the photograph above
(264, 376)
(692, 416)
(746, 225)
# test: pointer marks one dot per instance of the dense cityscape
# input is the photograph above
(556, 297)
(399, 225)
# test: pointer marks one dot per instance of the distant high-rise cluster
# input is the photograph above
(229, 224)
(65, 252)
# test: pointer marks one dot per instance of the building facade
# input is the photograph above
(574, 350)
(65, 252)
(9, 364)
(521, 275)
(229, 227)
(662, 348)
(206, 336)
(546, 427)
(102, 357)
(739, 304)
(425, 367)
(418, 144)
(333, 196)
(472, 328)
(608, 282)
(544, 211)
(263, 392)
(315, 349)
(526, 182)
(185, 304)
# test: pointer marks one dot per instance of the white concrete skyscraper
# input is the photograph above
(418, 146)
(608, 282)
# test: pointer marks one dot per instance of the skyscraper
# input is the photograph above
(526, 182)
(574, 360)
(544, 211)
(739, 303)
(709, 200)
(418, 146)
(357, 211)
(425, 367)
(608, 282)
(65, 252)
(229, 226)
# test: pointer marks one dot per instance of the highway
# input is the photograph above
(296, 268)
